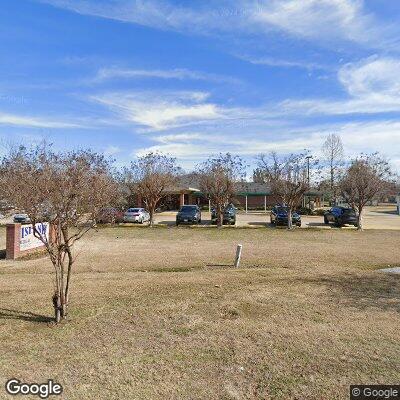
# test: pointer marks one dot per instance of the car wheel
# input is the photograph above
(326, 222)
(141, 221)
(177, 224)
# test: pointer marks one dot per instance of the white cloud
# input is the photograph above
(112, 150)
(320, 19)
(193, 147)
(373, 75)
(159, 111)
(372, 85)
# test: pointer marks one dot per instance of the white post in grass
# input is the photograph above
(246, 203)
(238, 255)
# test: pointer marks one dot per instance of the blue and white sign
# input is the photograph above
(28, 240)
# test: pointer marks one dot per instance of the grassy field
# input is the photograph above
(160, 313)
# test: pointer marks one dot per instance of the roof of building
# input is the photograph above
(190, 183)
(252, 189)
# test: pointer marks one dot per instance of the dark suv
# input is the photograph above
(190, 214)
(279, 216)
(341, 216)
(229, 216)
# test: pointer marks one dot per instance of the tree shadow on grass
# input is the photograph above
(266, 224)
(168, 223)
(220, 265)
(6, 313)
(390, 212)
(375, 290)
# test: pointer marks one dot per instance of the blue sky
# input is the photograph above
(193, 78)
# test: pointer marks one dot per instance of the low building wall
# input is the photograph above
(20, 240)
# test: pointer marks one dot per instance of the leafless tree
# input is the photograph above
(150, 177)
(217, 178)
(333, 152)
(66, 189)
(367, 177)
(287, 177)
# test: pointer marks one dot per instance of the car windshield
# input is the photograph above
(348, 211)
(134, 210)
(281, 209)
(188, 208)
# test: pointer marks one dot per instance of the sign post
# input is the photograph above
(398, 204)
(238, 255)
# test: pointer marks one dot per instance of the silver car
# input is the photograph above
(139, 215)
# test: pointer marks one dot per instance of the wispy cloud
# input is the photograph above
(178, 73)
(321, 20)
(159, 111)
(35, 122)
(277, 62)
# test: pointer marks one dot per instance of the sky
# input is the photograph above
(199, 77)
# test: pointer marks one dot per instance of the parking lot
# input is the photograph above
(379, 217)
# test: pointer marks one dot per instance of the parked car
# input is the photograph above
(190, 214)
(341, 216)
(139, 215)
(229, 216)
(279, 216)
(110, 215)
(22, 219)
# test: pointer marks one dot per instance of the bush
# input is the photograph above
(319, 211)
(304, 211)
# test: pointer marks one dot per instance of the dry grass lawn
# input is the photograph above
(159, 313)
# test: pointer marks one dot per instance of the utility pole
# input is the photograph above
(308, 177)
(308, 169)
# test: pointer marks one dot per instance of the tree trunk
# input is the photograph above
(63, 307)
(360, 221)
(57, 308)
(220, 217)
(151, 212)
(289, 221)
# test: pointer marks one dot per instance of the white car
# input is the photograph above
(139, 215)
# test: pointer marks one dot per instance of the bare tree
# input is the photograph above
(367, 177)
(287, 177)
(217, 178)
(150, 177)
(66, 189)
(333, 152)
